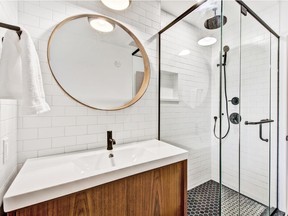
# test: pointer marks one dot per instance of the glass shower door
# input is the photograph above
(220, 103)
(248, 154)
(231, 53)
(256, 140)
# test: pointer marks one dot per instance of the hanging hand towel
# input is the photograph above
(25, 82)
(33, 100)
(10, 68)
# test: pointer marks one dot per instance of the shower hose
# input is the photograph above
(227, 111)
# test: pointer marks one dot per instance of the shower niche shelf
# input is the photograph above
(169, 87)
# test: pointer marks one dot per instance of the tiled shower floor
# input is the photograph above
(203, 201)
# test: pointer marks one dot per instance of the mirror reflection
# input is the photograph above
(98, 62)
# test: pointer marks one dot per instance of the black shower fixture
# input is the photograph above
(234, 100)
(215, 22)
(225, 50)
(235, 118)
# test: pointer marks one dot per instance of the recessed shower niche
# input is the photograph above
(169, 87)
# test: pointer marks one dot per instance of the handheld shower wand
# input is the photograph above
(225, 49)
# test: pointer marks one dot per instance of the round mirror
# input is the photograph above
(98, 62)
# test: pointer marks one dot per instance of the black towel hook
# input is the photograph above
(11, 27)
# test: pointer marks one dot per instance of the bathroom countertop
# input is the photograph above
(47, 178)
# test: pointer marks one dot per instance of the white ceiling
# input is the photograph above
(231, 9)
(177, 7)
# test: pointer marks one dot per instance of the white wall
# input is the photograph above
(186, 123)
(8, 112)
(70, 126)
(8, 123)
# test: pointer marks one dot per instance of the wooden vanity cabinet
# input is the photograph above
(161, 191)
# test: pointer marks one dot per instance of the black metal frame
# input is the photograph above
(264, 24)
(179, 18)
(250, 11)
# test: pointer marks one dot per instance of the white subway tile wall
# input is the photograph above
(8, 112)
(70, 126)
(186, 123)
(8, 131)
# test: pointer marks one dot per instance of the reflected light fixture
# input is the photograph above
(184, 52)
(101, 24)
(207, 41)
(117, 4)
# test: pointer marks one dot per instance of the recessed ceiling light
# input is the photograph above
(207, 41)
(184, 52)
(116, 4)
(101, 24)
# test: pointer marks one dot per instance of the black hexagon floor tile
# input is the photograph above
(204, 200)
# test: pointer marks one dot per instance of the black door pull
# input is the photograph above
(260, 123)
(260, 134)
(263, 121)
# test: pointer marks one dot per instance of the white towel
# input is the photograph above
(10, 68)
(33, 100)
(29, 80)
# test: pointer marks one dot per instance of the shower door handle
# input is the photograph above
(260, 134)
(263, 121)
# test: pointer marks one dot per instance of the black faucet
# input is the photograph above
(110, 141)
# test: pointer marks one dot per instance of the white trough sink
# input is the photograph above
(46, 178)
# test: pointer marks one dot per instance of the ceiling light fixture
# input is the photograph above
(117, 4)
(207, 41)
(101, 24)
(184, 52)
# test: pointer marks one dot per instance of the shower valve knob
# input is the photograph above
(235, 118)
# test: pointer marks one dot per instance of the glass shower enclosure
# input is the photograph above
(218, 99)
